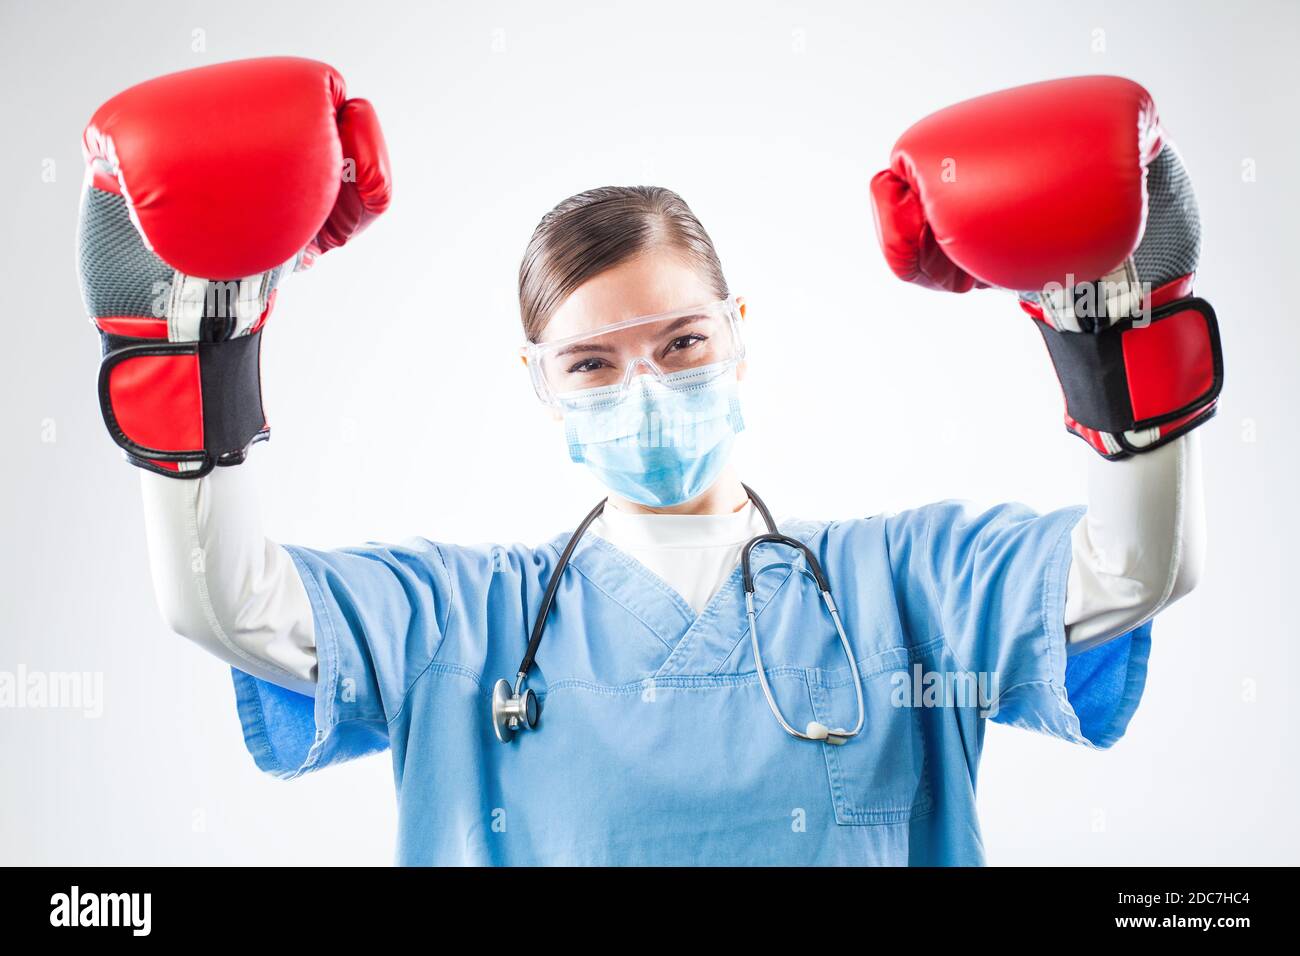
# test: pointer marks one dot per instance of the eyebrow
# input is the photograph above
(585, 348)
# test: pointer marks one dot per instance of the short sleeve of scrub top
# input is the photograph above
(992, 584)
(379, 613)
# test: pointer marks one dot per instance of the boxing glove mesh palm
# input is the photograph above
(1171, 242)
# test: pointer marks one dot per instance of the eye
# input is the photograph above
(684, 342)
(588, 365)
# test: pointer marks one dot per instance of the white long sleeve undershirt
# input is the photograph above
(222, 584)
(693, 554)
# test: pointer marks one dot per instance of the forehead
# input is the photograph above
(647, 285)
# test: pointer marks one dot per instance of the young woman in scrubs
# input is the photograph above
(656, 743)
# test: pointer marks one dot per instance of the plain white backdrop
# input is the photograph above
(399, 407)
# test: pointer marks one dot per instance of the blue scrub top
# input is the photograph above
(655, 744)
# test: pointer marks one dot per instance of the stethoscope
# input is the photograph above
(515, 708)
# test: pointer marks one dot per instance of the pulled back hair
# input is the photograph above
(599, 229)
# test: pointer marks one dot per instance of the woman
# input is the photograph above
(691, 711)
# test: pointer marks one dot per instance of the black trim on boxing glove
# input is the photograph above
(1094, 370)
(229, 395)
(233, 417)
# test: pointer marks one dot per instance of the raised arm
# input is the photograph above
(1069, 193)
(203, 190)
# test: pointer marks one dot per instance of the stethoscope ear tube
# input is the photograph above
(762, 508)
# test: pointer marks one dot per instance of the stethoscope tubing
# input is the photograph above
(506, 709)
(833, 736)
(553, 585)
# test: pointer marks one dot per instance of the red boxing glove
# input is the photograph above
(1068, 193)
(203, 189)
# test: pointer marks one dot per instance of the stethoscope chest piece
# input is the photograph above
(512, 711)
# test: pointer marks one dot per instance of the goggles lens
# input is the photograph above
(663, 345)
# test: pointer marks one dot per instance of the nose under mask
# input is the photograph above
(663, 441)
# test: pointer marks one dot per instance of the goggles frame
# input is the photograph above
(534, 354)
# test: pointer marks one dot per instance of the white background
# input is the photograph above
(399, 406)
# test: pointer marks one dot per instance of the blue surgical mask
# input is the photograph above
(658, 442)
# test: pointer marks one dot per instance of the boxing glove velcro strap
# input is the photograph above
(167, 403)
(1140, 373)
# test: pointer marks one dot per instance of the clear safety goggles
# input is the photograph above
(663, 345)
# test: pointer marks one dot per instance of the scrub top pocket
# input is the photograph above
(879, 776)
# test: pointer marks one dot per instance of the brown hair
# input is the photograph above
(599, 229)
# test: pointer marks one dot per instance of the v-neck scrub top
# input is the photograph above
(655, 744)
